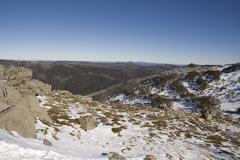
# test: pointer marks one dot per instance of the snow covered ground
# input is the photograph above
(125, 100)
(167, 137)
(173, 134)
(15, 147)
(226, 90)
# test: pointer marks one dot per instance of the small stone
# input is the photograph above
(47, 142)
(207, 116)
(104, 154)
(88, 122)
(116, 156)
(150, 157)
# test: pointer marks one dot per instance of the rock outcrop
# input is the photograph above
(35, 87)
(16, 75)
(80, 98)
(19, 106)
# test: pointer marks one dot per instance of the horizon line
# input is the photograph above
(92, 61)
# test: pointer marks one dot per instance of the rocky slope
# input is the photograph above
(19, 106)
(204, 89)
(134, 125)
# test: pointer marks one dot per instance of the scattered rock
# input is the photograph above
(150, 157)
(85, 99)
(88, 122)
(151, 116)
(47, 142)
(220, 115)
(64, 92)
(116, 156)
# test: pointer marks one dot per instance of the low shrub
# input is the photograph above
(159, 123)
(206, 104)
(163, 79)
(202, 83)
(212, 74)
(161, 102)
(190, 96)
(216, 139)
(179, 88)
(192, 75)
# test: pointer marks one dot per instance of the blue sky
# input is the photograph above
(162, 31)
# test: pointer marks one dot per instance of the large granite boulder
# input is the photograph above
(35, 87)
(19, 110)
(18, 119)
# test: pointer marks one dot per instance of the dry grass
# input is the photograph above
(216, 139)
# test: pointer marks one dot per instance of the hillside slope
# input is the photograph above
(87, 77)
(186, 88)
(122, 128)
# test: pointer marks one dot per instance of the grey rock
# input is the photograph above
(47, 142)
(116, 156)
(85, 99)
(150, 157)
(18, 110)
(207, 115)
(88, 122)
(35, 87)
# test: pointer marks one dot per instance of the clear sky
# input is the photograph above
(162, 31)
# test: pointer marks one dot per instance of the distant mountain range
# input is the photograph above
(83, 78)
